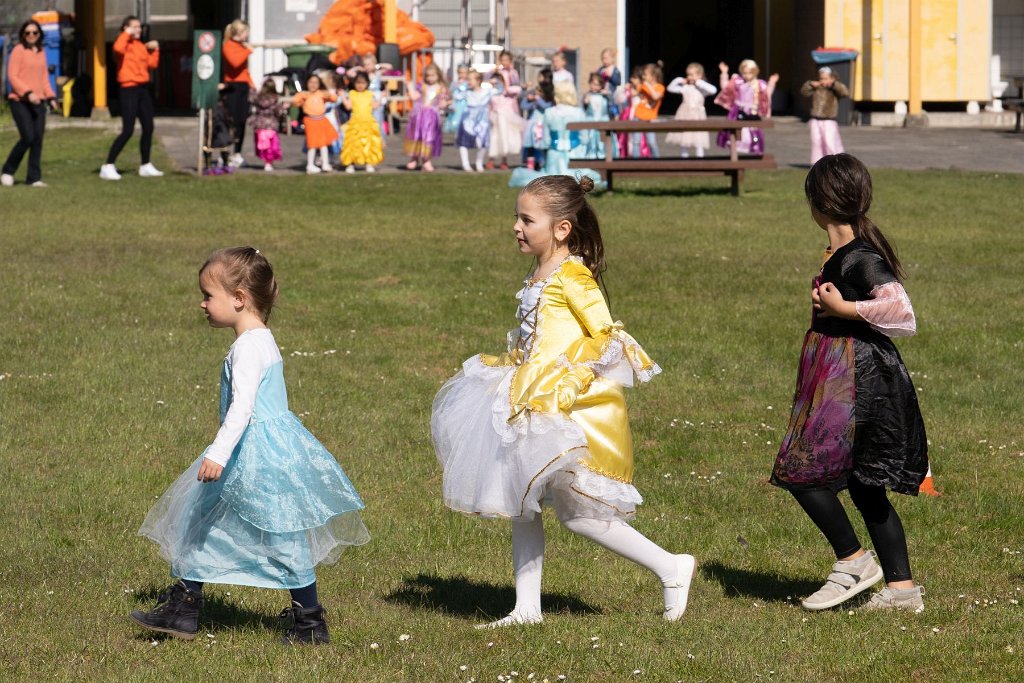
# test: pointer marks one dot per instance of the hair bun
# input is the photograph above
(586, 183)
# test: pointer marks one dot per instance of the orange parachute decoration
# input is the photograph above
(356, 27)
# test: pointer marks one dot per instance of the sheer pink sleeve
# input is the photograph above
(889, 311)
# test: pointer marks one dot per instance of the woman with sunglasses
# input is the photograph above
(135, 59)
(31, 92)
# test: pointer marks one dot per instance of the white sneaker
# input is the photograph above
(268, 167)
(350, 169)
(327, 168)
(39, 183)
(149, 171)
(467, 169)
(848, 578)
(109, 172)
(677, 591)
(7, 180)
(479, 168)
(911, 599)
(370, 169)
(236, 160)
(514, 619)
(312, 170)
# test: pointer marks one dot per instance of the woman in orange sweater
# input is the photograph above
(30, 92)
(134, 61)
(237, 81)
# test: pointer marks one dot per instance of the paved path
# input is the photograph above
(914, 149)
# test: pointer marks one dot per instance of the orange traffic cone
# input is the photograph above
(928, 485)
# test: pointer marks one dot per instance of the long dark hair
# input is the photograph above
(546, 87)
(839, 186)
(39, 38)
(565, 198)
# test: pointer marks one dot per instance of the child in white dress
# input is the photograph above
(694, 89)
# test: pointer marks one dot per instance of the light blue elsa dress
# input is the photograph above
(562, 145)
(282, 504)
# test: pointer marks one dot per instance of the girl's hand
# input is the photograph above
(209, 471)
(723, 68)
(152, 46)
(33, 98)
(773, 79)
(828, 300)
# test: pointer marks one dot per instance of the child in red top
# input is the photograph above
(134, 61)
(651, 94)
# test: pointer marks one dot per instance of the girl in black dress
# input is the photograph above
(855, 422)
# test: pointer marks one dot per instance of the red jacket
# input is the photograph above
(134, 61)
(28, 72)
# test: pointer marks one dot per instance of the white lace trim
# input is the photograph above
(615, 364)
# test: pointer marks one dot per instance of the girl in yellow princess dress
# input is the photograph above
(546, 420)
(362, 145)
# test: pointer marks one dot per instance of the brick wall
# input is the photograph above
(585, 24)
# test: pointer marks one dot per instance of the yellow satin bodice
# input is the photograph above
(574, 337)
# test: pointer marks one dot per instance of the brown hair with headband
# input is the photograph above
(246, 269)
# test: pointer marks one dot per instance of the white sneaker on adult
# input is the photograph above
(370, 168)
(312, 170)
(38, 183)
(268, 167)
(149, 171)
(109, 172)
(848, 578)
(350, 169)
(236, 160)
(514, 619)
(7, 180)
(677, 591)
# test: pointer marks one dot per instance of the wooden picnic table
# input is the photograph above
(733, 165)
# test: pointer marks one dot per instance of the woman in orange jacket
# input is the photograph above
(237, 81)
(30, 92)
(134, 61)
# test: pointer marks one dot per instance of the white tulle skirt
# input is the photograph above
(496, 468)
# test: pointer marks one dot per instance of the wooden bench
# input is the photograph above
(733, 165)
(1016, 106)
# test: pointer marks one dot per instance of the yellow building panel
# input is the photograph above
(956, 45)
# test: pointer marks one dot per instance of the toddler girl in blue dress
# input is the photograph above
(265, 502)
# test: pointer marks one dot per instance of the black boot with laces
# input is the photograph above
(176, 613)
(305, 625)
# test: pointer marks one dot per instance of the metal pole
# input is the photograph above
(199, 158)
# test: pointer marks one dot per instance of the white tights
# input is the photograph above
(617, 536)
(464, 155)
(325, 163)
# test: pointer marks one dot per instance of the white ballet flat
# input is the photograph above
(677, 591)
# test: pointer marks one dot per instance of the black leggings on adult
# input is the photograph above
(884, 525)
(31, 122)
(136, 103)
(236, 98)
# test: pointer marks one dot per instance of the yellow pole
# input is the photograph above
(390, 21)
(915, 112)
(96, 33)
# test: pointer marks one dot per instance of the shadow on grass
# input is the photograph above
(687, 191)
(217, 614)
(760, 585)
(463, 597)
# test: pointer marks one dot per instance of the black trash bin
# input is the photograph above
(842, 61)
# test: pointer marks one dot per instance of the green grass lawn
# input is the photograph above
(108, 390)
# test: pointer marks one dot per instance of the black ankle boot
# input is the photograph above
(176, 613)
(305, 625)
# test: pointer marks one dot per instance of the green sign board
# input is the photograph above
(205, 68)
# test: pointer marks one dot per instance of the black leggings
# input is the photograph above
(884, 525)
(136, 103)
(31, 122)
(236, 98)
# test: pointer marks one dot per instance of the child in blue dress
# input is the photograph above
(265, 502)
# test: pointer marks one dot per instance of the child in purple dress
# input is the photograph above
(747, 97)
(423, 135)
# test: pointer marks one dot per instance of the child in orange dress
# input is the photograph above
(319, 131)
(652, 94)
